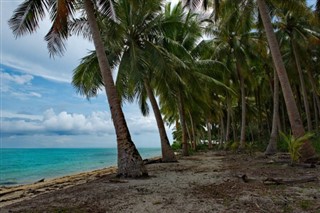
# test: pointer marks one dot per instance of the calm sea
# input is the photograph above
(22, 166)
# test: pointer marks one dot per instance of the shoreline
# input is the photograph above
(209, 181)
(16, 193)
(13, 194)
(19, 173)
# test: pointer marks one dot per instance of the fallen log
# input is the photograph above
(152, 160)
(278, 181)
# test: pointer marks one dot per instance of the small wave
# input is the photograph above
(6, 183)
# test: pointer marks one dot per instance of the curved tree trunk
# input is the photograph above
(307, 150)
(130, 163)
(167, 152)
(185, 151)
(272, 146)
(303, 86)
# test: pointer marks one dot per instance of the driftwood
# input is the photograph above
(117, 181)
(278, 181)
(152, 160)
(305, 165)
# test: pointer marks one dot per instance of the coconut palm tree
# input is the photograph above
(231, 37)
(25, 20)
(295, 26)
(307, 151)
(185, 83)
(138, 60)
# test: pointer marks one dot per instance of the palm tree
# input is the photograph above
(307, 151)
(25, 20)
(138, 59)
(231, 37)
(295, 26)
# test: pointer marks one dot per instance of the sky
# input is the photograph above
(39, 106)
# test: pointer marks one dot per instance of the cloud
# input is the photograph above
(18, 79)
(64, 123)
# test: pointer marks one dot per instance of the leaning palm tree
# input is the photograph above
(307, 150)
(139, 60)
(25, 20)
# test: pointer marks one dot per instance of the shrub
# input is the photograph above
(294, 145)
(234, 146)
(176, 145)
(202, 146)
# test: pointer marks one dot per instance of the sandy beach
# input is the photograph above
(203, 182)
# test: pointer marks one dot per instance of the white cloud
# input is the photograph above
(11, 115)
(64, 123)
(23, 95)
(18, 79)
(35, 94)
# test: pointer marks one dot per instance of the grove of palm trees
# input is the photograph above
(237, 81)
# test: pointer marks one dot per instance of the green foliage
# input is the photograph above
(227, 145)
(234, 146)
(202, 146)
(294, 145)
(251, 148)
(316, 144)
(282, 145)
(176, 146)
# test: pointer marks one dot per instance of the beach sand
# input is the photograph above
(204, 182)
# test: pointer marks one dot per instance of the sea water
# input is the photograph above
(22, 166)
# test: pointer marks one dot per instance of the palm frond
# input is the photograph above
(87, 78)
(80, 27)
(26, 17)
(107, 7)
(60, 13)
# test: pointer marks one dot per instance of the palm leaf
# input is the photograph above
(26, 17)
(60, 13)
(80, 26)
(107, 7)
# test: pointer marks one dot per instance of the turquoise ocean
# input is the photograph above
(23, 166)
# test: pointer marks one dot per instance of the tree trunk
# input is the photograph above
(167, 152)
(209, 134)
(130, 163)
(307, 150)
(316, 114)
(193, 142)
(284, 120)
(303, 86)
(243, 109)
(315, 90)
(228, 121)
(272, 146)
(234, 130)
(222, 132)
(181, 110)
